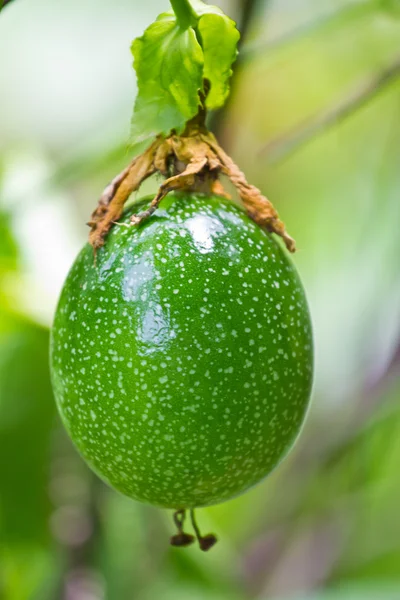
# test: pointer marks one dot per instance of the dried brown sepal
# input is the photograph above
(112, 201)
(190, 162)
(182, 181)
(218, 189)
(258, 207)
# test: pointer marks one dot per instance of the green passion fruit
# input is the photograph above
(182, 358)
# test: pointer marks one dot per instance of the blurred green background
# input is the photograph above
(326, 524)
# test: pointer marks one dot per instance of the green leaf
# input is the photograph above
(29, 562)
(8, 246)
(219, 38)
(27, 412)
(172, 58)
(169, 66)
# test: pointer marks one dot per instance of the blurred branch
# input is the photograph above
(3, 3)
(248, 51)
(336, 18)
(320, 456)
(247, 9)
(315, 461)
(286, 145)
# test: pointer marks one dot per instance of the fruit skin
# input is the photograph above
(182, 362)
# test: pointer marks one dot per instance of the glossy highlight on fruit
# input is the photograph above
(182, 361)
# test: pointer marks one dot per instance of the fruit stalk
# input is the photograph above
(184, 13)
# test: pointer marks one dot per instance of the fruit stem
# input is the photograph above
(181, 539)
(184, 13)
(205, 542)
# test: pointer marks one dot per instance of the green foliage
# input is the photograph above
(169, 67)
(26, 420)
(9, 253)
(368, 591)
(26, 423)
(172, 59)
(218, 57)
(8, 247)
(392, 6)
